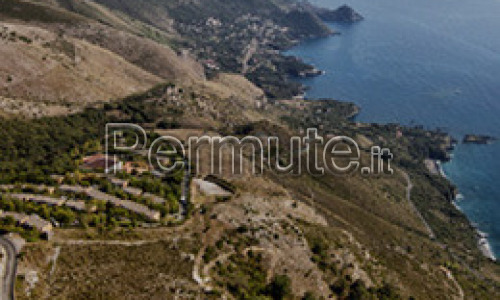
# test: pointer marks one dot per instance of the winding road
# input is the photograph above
(8, 269)
(409, 187)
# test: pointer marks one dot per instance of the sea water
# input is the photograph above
(430, 63)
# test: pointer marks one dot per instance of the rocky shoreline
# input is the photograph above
(433, 164)
(484, 245)
(435, 167)
(301, 70)
(478, 139)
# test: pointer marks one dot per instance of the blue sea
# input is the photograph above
(427, 62)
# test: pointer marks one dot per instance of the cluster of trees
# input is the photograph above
(8, 224)
(357, 290)
(246, 278)
(31, 150)
(168, 187)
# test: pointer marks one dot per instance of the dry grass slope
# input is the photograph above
(39, 66)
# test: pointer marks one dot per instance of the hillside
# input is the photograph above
(51, 70)
(70, 61)
(244, 36)
(209, 68)
(327, 235)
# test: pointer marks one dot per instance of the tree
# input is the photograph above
(9, 221)
(309, 296)
(387, 292)
(358, 291)
(64, 216)
(44, 212)
(280, 287)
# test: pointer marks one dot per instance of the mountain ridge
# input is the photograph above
(356, 237)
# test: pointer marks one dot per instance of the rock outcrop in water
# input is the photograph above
(478, 139)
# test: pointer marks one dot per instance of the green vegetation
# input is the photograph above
(245, 278)
(232, 26)
(32, 150)
(25, 39)
(169, 190)
(8, 224)
(279, 287)
(322, 243)
(106, 215)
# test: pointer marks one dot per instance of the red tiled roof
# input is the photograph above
(98, 161)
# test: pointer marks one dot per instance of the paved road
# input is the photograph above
(9, 274)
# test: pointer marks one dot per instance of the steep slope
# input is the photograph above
(335, 237)
(235, 36)
(118, 20)
(159, 12)
(70, 60)
(332, 236)
(41, 67)
(26, 10)
(155, 58)
(97, 12)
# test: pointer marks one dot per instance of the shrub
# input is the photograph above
(280, 287)
(309, 296)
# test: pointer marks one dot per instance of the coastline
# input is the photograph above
(482, 237)
(485, 246)
(434, 166)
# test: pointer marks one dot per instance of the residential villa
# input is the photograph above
(119, 182)
(135, 167)
(80, 206)
(40, 199)
(126, 204)
(155, 199)
(106, 163)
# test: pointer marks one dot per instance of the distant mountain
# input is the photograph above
(343, 14)
(242, 36)
(178, 13)
(55, 62)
